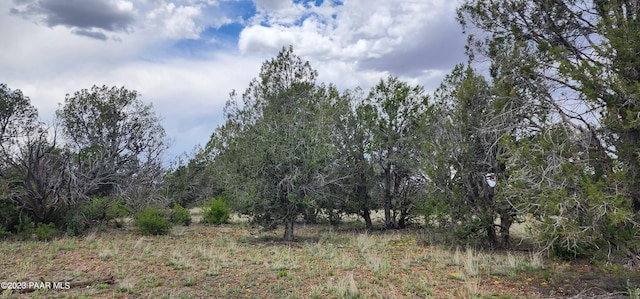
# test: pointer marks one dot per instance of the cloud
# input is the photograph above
(89, 33)
(97, 18)
(175, 21)
(185, 56)
(438, 45)
(85, 17)
(406, 38)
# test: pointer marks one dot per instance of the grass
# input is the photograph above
(237, 261)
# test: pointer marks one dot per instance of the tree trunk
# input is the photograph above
(388, 221)
(288, 228)
(366, 214)
(505, 226)
(492, 237)
(628, 152)
(404, 218)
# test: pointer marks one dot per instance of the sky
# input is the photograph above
(186, 56)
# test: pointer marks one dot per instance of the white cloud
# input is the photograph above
(354, 44)
(174, 21)
(363, 30)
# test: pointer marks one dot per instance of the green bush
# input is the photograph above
(152, 221)
(180, 215)
(116, 210)
(99, 211)
(75, 223)
(216, 212)
(9, 218)
(25, 228)
(45, 231)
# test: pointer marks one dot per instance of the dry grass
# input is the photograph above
(237, 261)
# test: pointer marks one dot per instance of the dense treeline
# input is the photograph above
(549, 137)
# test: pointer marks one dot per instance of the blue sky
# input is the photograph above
(185, 56)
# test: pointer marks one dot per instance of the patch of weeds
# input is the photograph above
(204, 255)
(125, 285)
(470, 264)
(429, 293)
(179, 261)
(512, 265)
(151, 281)
(364, 242)
(316, 292)
(331, 237)
(189, 282)
(178, 231)
(456, 260)
(108, 253)
(535, 260)
(284, 260)
(102, 286)
(457, 276)
(282, 273)
(377, 263)
(64, 244)
(463, 293)
(417, 286)
(346, 262)
(344, 287)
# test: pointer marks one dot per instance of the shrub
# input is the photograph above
(75, 223)
(115, 211)
(98, 211)
(9, 217)
(180, 215)
(45, 231)
(25, 228)
(217, 212)
(152, 221)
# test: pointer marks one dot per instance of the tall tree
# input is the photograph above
(394, 113)
(463, 155)
(580, 59)
(117, 139)
(33, 170)
(192, 179)
(273, 147)
(353, 172)
(18, 118)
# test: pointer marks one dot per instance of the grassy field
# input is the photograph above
(238, 261)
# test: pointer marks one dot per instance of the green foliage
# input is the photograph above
(115, 140)
(216, 212)
(152, 221)
(462, 148)
(45, 232)
(275, 148)
(575, 168)
(192, 179)
(116, 210)
(17, 116)
(180, 215)
(9, 217)
(25, 228)
(574, 211)
(282, 274)
(393, 115)
(98, 211)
